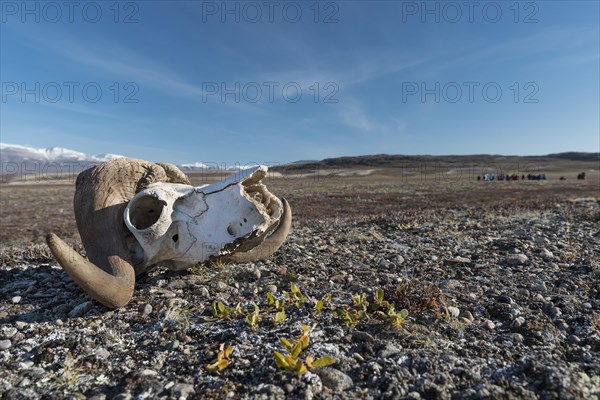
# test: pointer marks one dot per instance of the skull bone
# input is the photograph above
(181, 225)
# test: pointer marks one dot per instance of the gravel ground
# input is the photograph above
(499, 306)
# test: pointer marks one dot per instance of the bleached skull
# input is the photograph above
(133, 215)
(180, 225)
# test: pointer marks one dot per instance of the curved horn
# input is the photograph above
(112, 291)
(271, 244)
(101, 195)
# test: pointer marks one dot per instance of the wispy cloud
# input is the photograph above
(355, 115)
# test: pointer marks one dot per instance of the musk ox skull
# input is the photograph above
(133, 215)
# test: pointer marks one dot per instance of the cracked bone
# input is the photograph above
(172, 224)
(180, 225)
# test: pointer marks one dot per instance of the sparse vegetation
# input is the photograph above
(374, 248)
(417, 296)
(290, 360)
(223, 359)
(68, 372)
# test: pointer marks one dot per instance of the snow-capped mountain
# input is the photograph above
(17, 162)
(17, 153)
(213, 167)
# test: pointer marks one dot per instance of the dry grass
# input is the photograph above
(29, 211)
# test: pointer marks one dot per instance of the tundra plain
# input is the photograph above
(499, 280)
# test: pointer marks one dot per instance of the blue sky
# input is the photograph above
(274, 82)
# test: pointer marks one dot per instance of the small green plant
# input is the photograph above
(179, 315)
(360, 301)
(381, 309)
(294, 295)
(320, 303)
(277, 304)
(222, 360)
(69, 372)
(386, 311)
(397, 319)
(351, 316)
(291, 361)
(253, 317)
(279, 316)
(220, 311)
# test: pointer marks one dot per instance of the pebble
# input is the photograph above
(59, 322)
(16, 299)
(97, 396)
(574, 339)
(467, 316)
(539, 287)
(9, 332)
(250, 274)
(334, 379)
(518, 322)
(359, 336)
(204, 292)
(81, 309)
(517, 337)
(61, 309)
(5, 344)
(389, 350)
(18, 337)
(102, 353)
(554, 312)
(183, 390)
(173, 345)
(280, 270)
(147, 309)
(221, 286)
(517, 259)
(148, 373)
(489, 325)
(458, 261)
(453, 311)
(20, 324)
(272, 289)
(561, 324)
(546, 254)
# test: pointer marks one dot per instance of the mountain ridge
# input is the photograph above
(18, 159)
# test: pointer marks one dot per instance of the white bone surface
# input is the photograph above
(181, 225)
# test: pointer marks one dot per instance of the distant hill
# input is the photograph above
(17, 161)
(401, 161)
(574, 156)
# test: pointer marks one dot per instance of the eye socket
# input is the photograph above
(146, 211)
(175, 238)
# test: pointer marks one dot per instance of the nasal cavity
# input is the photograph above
(231, 230)
(145, 211)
